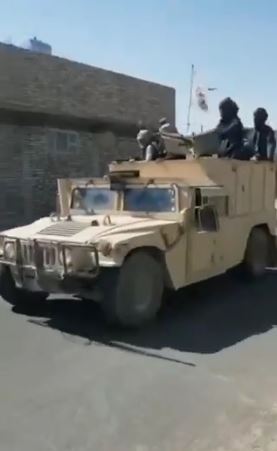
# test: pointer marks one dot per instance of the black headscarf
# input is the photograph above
(228, 109)
(260, 117)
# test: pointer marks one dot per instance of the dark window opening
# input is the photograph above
(198, 197)
(206, 219)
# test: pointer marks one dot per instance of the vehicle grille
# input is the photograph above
(27, 253)
(69, 228)
(47, 255)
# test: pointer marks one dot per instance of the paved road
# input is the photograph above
(203, 378)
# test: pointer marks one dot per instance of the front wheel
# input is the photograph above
(16, 296)
(257, 254)
(134, 294)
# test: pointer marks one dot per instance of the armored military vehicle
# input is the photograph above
(146, 227)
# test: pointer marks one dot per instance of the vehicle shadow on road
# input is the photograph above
(204, 319)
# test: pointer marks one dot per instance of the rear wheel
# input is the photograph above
(134, 293)
(257, 254)
(14, 295)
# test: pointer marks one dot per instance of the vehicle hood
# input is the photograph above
(82, 230)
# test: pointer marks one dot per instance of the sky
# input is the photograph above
(231, 43)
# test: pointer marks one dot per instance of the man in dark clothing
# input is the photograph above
(264, 142)
(230, 131)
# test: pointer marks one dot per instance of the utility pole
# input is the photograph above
(190, 97)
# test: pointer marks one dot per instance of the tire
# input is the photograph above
(257, 254)
(16, 296)
(134, 293)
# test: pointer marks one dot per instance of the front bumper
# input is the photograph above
(44, 265)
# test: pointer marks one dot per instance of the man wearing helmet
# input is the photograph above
(152, 147)
(264, 142)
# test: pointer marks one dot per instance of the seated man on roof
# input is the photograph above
(149, 142)
(143, 138)
(230, 130)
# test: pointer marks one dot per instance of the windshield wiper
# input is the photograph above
(149, 182)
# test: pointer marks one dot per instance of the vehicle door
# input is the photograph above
(204, 257)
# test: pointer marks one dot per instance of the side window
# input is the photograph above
(198, 197)
(206, 219)
(221, 203)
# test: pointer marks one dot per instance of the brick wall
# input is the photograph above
(39, 92)
(30, 165)
(51, 85)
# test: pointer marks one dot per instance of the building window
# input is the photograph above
(63, 141)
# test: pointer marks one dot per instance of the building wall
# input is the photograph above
(46, 84)
(32, 158)
(51, 114)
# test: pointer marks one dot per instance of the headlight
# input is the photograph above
(66, 257)
(9, 250)
(105, 248)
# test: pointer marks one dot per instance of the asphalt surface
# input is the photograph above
(202, 378)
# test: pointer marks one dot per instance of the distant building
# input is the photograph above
(59, 118)
(39, 47)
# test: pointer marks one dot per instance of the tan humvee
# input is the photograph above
(146, 227)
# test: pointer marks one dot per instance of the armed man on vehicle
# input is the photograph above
(150, 143)
(231, 133)
(143, 138)
(263, 139)
(230, 130)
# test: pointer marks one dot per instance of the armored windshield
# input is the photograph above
(93, 199)
(148, 199)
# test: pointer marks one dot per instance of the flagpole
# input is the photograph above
(190, 97)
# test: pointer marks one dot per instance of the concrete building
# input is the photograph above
(60, 118)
